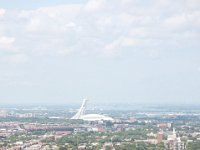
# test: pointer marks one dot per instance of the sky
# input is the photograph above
(110, 51)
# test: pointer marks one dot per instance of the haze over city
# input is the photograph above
(114, 51)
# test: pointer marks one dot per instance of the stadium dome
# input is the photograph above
(96, 117)
(89, 117)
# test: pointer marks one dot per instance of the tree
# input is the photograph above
(62, 148)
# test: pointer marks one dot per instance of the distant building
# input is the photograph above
(108, 144)
(81, 147)
(159, 137)
(162, 125)
(89, 117)
(3, 113)
(174, 143)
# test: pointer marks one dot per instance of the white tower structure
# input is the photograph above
(81, 111)
(89, 117)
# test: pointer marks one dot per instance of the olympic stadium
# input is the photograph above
(81, 114)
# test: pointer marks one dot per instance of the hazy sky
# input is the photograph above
(60, 51)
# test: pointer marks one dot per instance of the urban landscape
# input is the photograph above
(43, 128)
(99, 74)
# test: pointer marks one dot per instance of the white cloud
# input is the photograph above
(176, 21)
(50, 19)
(51, 44)
(34, 25)
(64, 52)
(193, 4)
(2, 12)
(139, 32)
(112, 46)
(126, 41)
(14, 59)
(98, 26)
(60, 10)
(128, 18)
(6, 42)
(94, 5)
(70, 24)
(184, 20)
(121, 43)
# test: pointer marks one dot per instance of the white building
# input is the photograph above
(174, 142)
(89, 117)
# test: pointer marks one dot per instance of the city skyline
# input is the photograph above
(130, 51)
